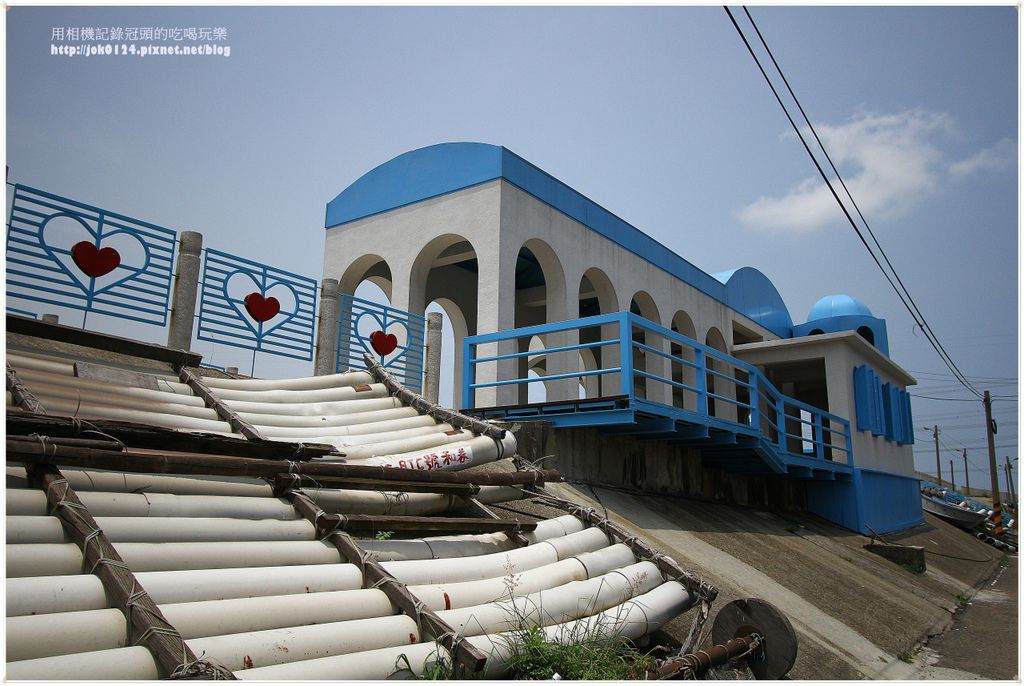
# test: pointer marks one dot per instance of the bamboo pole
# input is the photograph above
(20, 393)
(419, 523)
(375, 576)
(424, 406)
(147, 436)
(146, 624)
(212, 401)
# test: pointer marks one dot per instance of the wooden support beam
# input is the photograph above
(30, 451)
(147, 436)
(146, 624)
(22, 397)
(212, 401)
(464, 653)
(424, 406)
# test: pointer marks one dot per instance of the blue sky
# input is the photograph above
(658, 114)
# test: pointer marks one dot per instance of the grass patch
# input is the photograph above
(1004, 561)
(592, 657)
(907, 656)
(962, 600)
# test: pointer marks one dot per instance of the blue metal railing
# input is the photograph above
(678, 375)
(64, 252)
(226, 318)
(405, 361)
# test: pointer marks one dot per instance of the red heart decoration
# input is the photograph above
(94, 261)
(383, 343)
(261, 309)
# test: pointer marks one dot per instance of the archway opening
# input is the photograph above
(683, 373)
(642, 304)
(867, 334)
(596, 296)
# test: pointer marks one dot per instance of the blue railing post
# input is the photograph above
(626, 353)
(700, 358)
(819, 437)
(755, 402)
(849, 443)
(780, 420)
(468, 374)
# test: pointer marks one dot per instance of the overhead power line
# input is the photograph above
(901, 291)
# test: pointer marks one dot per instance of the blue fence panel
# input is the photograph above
(403, 356)
(250, 305)
(67, 253)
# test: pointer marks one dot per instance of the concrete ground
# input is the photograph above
(983, 642)
(856, 614)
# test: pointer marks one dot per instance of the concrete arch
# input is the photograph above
(542, 296)
(716, 384)
(683, 373)
(454, 317)
(443, 254)
(643, 304)
(370, 267)
(596, 295)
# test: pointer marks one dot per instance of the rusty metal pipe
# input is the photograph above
(696, 664)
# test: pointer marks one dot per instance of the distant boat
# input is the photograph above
(961, 516)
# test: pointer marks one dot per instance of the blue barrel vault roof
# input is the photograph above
(448, 167)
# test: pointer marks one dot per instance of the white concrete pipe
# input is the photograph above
(353, 445)
(294, 644)
(631, 620)
(301, 383)
(110, 392)
(152, 557)
(43, 559)
(435, 441)
(421, 572)
(43, 635)
(71, 593)
(405, 420)
(370, 665)
(446, 596)
(222, 584)
(133, 664)
(468, 545)
(92, 411)
(314, 409)
(127, 482)
(22, 362)
(319, 395)
(556, 605)
(22, 529)
(70, 394)
(297, 420)
(452, 457)
(340, 501)
(103, 504)
(47, 594)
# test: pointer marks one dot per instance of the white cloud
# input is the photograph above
(889, 162)
(998, 157)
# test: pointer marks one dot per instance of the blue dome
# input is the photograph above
(838, 306)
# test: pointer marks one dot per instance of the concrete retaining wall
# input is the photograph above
(586, 455)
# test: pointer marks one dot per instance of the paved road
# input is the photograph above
(983, 640)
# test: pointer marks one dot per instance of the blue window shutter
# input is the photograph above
(862, 397)
(887, 411)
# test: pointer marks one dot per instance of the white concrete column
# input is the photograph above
(186, 289)
(432, 358)
(562, 362)
(50, 319)
(658, 391)
(496, 312)
(327, 329)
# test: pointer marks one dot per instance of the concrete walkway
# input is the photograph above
(983, 641)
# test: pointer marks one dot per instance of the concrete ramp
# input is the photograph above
(855, 612)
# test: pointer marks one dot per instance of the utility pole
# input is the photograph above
(1009, 483)
(967, 475)
(952, 475)
(938, 462)
(990, 431)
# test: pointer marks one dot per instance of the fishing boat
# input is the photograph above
(951, 512)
